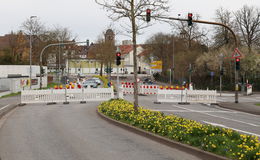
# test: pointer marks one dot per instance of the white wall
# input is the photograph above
(15, 84)
(24, 70)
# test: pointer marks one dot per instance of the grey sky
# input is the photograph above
(87, 20)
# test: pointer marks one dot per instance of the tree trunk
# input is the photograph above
(134, 56)
(101, 69)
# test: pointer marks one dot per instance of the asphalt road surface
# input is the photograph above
(10, 100)
(74, 132)
(210, 114)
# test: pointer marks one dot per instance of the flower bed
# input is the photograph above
(221, 141)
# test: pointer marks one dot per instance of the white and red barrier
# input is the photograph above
(128, 88)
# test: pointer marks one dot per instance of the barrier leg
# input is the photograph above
(82, 94)
(66, 101)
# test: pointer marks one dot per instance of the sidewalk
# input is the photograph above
(248, 107)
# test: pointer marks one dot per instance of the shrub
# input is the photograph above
(218, 140)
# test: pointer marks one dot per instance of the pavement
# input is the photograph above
(8, 103)
(248, 107)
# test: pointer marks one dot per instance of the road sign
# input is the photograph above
(236, 53)
(156, 65)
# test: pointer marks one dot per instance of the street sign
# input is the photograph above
(236, 53)
(156, 65)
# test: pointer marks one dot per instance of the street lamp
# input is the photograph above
(221, 56)
(31, 28)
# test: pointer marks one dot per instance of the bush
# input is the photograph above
(218, 140)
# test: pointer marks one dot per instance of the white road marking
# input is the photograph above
(223, 126)
(4, 107)
(240, 112)
(251, 99)
(194, 111)
(251, 124)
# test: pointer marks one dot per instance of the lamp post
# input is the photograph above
(49, 45)
(31, 30)
(221, 56)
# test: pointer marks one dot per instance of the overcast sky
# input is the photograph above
(87, 20)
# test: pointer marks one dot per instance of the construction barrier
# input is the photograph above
(66, 95)
(187, 96)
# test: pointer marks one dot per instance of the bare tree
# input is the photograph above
(248, 25)
(134, 11)
(222, 36)
(34, 27)
(190, 33)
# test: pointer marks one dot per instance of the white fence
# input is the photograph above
(66, 95)
(142, 89)
(189, 96)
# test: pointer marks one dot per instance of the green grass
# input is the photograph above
(258, 104)
(50, 85)
(10, 95)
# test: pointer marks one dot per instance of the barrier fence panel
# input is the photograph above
(189, 96)
(66, 95)
(170, 96)
(202, 96)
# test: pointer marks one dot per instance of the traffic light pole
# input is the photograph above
(49, 45)
(117, 81)
(212, 23)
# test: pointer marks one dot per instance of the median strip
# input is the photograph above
(220, 141)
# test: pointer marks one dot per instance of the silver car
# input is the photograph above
(90, 84)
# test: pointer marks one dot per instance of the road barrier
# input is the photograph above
(66, 95)
(187, 96)
(128, 88)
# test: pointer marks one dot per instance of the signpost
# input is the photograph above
(236, 55)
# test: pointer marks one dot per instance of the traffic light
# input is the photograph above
(189, 19)
(148, 15)
(118, 58)
(42, 71)
(237, 64)
(222, 72)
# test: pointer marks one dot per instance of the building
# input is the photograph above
(15, 78)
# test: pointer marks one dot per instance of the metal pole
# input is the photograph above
(49, 45)
(213, 23)
(190, 73)
(221, 72)
(170, 76)
(31, 28)
(172, 60)
(31, 59)
(117, 81)
(236, 86)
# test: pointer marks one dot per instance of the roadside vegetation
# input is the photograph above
(10, 95)
(258, 104)
(221, 141)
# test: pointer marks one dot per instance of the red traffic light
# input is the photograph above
(148, 11)
(190, 15)
(118, 54)
(237, 60)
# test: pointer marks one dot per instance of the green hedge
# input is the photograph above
(221, 141)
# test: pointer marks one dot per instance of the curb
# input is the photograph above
(238, 109)
(174, 144)
(8, 108)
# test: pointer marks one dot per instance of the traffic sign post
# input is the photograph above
(236, 55)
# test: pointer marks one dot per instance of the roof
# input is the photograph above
(125, 49)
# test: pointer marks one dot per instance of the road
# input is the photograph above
(74, 132)
(210, 114)
(230, 97)
(10, 100)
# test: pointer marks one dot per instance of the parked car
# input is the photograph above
(98, 81)
(147, 81)
(90, 83)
